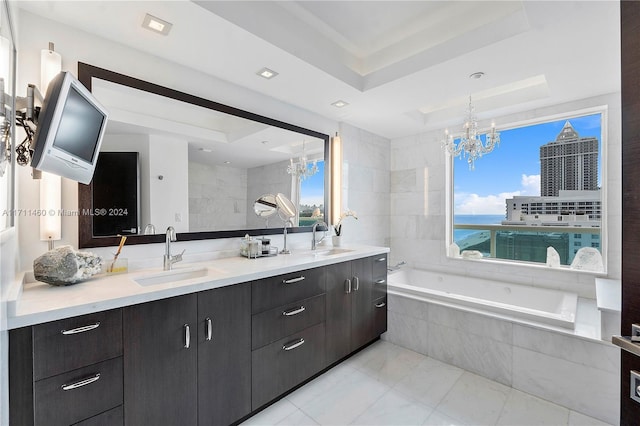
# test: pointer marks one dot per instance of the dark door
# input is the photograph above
(338, 314)
(160, 386)
(224, 354)
(630, 43)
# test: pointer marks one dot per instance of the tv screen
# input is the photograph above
(69, 131)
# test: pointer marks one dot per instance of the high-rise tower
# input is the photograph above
(568, 163)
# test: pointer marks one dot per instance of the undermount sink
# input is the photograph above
(171, 276)
(332, 252)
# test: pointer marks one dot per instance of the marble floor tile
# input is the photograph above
(272, 414)
(298, 418)
(475, 400)
(394, 408)
(343, 402)
(526, 410)
(438, 419)
(429, 382)
(320, 385)
(391, 366)
(577, 419)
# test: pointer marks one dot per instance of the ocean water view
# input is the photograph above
(474, 219)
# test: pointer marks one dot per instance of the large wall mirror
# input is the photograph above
(7, 116)
(174, 159)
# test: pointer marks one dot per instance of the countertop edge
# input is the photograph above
(26, 312)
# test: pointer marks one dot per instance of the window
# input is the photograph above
(553, 166)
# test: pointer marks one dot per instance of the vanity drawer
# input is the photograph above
(379, 266)
(282, 365)
(65, 345)
(379, 312)
(281, 290)
(113, 417)
(78, 394)
(282, 321)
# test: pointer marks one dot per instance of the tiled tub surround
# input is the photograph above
(573, 368)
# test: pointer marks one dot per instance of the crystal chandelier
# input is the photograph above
(302, 168)
(470, 145)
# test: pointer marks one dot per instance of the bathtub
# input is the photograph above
(552, 307)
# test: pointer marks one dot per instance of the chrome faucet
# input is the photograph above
(168, 259)
(313, 233)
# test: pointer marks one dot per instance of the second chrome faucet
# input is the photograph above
(168, 259)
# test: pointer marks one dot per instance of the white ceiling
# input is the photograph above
(403, 66)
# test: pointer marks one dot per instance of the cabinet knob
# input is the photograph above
(81, 329)
(347, 286)
(293, 312)
(209, 328)
(292, 345)
(81, 383)
(293, 280)
(356, 283)
(187, 336)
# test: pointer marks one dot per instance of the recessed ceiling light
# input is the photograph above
(340, 104)
(156, 25)
(264, 142)
(205, 150)
(227, 162)
(267, 73)
(476, 75)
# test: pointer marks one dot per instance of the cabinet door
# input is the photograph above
(224, 354)
(361, 306)
(338, 313)
(160, 385)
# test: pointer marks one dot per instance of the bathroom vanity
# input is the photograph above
(207, 343)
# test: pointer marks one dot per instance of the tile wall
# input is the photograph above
(577, 373)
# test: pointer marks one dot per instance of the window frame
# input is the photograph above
(603, 110)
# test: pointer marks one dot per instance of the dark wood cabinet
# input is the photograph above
(160, 362)
(67, 371)
(356, 305)
(188, 359)
(206, 358)
(224, 354)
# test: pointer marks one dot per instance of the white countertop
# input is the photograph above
(36, 302)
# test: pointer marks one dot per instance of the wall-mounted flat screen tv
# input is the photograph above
(70, 128)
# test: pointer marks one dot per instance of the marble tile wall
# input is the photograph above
(577, 373)
(366, 186)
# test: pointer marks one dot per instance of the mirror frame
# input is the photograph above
(86, 239)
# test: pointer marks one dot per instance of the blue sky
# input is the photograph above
(312, 188)
(513, 168)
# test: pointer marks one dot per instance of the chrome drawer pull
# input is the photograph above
(187, 336)
(347, 286)
(382, 259)
(294, 311)
(209, 326)
(381, 281)
(80, 329)
(293, 345)
(381, 305)
(293, 280)
(356, 282)
(81, 383)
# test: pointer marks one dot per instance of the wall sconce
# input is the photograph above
(50, 205)
(50, 66)
(336, 178)
(50, 184)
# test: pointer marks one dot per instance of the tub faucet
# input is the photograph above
(169, 260)
(324, 227)
(396, 266)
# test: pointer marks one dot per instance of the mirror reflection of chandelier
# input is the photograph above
(470, 145)
(301, 168)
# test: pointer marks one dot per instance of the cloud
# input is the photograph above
(494, 204)
(476, 204)
(530, 185)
